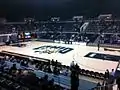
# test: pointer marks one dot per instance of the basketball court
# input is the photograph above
(77, 54)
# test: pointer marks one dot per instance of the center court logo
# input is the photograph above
(52, 49)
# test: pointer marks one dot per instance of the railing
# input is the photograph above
(105, 45)
(23, 56)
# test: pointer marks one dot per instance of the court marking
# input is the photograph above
(76, 55)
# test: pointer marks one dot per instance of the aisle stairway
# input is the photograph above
(83, 27)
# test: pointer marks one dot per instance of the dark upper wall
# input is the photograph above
(17, 9)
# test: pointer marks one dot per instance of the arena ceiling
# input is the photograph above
(17, 9)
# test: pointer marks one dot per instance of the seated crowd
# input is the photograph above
(25, 77)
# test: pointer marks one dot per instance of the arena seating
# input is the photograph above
(44, 63)
(39, 67)
(63, 30)
(92, 28)
(36, 66)
(10, 80)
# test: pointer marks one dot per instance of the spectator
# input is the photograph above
(106, 86)
(118, 82)
(26, 63)
(77, 67)
(51, 84)
(112, 73)
(77, 81)
(22, 63)
(112, 76)
(12, 58)
(56, 63)
(25, 72)
(72, 64)
(7, 58)
(103, 85)
(45, 82)
(51, 66)
(52, 62)
(18, 60)
(37, 65)
(77, 70)
(40, 67)
(49, 69)
(30, 79)
(3, 63)
(74, 77)
(13, 68)
(55, 71)
(106, 75)
(65, 71)
(98, 86)
(18, 72)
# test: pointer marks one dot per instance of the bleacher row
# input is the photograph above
(10, 81)
(65, 31)
(82, 71)
(110, 26)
